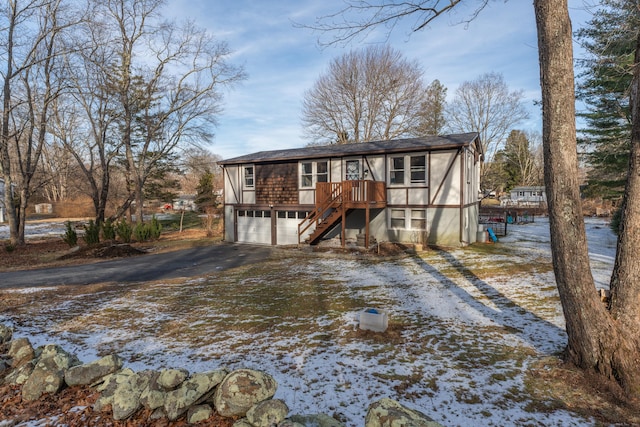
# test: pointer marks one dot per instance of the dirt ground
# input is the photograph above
(54, 251)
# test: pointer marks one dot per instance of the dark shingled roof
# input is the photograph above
(366, 148)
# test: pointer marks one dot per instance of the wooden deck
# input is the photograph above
(335, 199)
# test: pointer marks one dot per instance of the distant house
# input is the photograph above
(420, 190)
(528, 196)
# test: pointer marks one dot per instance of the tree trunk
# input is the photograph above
(625, 281)
(595, 341)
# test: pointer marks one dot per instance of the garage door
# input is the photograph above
(254, 227)
(287, 227)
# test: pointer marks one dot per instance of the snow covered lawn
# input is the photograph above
(466, 327)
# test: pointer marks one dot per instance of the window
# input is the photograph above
(313, 172)
(397, 170)
(353, 170)
(248, 177)
(306, 175)
(418, 219)
(397, 218)
(322, 171)
(413, 167)
(418, 169)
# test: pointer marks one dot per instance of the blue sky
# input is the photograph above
(283, 61)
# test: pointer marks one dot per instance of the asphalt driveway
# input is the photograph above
(169, 265)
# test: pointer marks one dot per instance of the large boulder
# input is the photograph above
(109, 387)
(19, 375)
(178, 401)
(242, 389)
(199, 413)
(21, 351)
(48, 373)
(268, 413)
(126, 398)
(91, 372)
(172, 378)
(389, 413)
(153, 397)
(5, 333)
(320, 420)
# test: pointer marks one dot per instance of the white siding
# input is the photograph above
(445, 180)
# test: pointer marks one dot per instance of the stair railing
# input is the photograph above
(332, 200)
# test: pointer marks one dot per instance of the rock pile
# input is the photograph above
(244, 394)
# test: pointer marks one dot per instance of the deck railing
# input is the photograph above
(352, 193)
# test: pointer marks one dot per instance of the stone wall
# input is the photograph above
(171, 394)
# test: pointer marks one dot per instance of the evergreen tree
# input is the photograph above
(609, 38)
(206, 199)
(431, 118)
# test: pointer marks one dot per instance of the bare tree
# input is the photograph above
(366, 95)
(606, 342)
(31, 84)
(197, 162)
(167, 80)
(485, 105)
(85, 120)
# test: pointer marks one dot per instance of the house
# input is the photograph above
(528, 196)
(417, 190)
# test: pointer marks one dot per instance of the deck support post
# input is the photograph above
(366, 226)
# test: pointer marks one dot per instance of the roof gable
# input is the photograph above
(442, 142)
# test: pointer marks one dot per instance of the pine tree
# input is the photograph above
(206, 199)
(609, 38)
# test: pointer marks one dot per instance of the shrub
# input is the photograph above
(9, 247)
(147, 230)
(124, 231)
(70, 237)
(141, 232)
(92, 233)
(155, 228)
(108, 230)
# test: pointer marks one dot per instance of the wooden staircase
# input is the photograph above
(334, 201)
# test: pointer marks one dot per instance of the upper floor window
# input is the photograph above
(416, 170)
(313, 172)
(396, 175)
(248, 177)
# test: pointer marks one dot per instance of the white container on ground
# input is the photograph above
(374, 319)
